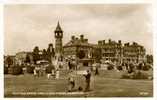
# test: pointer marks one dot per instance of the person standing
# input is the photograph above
(57, 74)
(96, 71)
(35, 73)
(71, 84)
(88, 77)
(53, 73)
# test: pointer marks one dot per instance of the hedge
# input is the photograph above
(110, 67)
(119, 67)
(146, 67)
(135, 75)
(30, 69)
(140, 75)
(5, 70)
(49, 69)
(16, 70)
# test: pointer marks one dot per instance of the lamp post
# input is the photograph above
(76, 58)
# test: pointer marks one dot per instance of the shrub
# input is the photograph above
(135, 75)
(30, 69)
(119, 68)
(146, 67)
(131, 68)
(140, 75)
(49, 69)
(10, 70)
(126, 76)
(5, 70)
(16, 70)
(110, 67)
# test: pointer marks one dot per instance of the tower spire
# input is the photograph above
(58, 28)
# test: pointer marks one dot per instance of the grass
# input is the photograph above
(107, 84)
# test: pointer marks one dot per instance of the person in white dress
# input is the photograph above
(57, 74)
(35, 73)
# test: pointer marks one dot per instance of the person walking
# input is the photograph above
(88, 78)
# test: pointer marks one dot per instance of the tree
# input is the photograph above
(50, 52)
(149, 59)
(36, 55)
(44, 54)
(27, 59)
(9, 61)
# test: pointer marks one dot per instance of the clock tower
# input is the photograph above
(58, 40)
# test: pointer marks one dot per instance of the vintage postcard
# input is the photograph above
(78, 50)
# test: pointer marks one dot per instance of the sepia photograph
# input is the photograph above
(78, 50)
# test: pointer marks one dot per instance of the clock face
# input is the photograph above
(58, 34)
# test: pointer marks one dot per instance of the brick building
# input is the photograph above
(133, 53)
(79, 45)
(111, 51)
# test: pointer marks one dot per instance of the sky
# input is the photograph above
(27, 26)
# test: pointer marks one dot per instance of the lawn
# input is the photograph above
(107, 84)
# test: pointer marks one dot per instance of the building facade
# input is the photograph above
(21, 57)
(111, 51)
(134, 53)
(80, 49)
(117, 52)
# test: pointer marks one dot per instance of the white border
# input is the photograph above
(1, 52)
(78, 2)
(73, 1)
(155, 46)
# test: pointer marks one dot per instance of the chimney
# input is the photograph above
(99, 42)
(72, 37)
(126, 44)
(109, 41)
(134, 43)
(86, 40)
(103, 41)
(81, 38)
(76, 38)
(119, 41)
(50, 45)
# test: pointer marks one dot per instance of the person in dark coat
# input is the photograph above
(88, 76)
(69, 64)
(96, 71)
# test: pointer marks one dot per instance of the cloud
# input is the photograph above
(29, 25)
